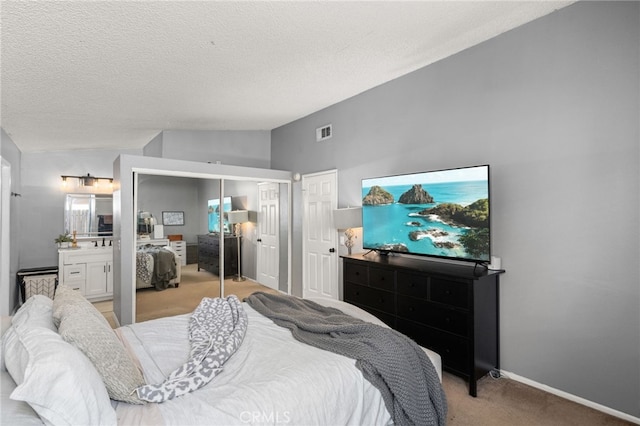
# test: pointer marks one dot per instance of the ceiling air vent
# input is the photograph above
(324, 133)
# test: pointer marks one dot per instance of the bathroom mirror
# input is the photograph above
(89, 215)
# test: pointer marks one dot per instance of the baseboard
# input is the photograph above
(571, 397)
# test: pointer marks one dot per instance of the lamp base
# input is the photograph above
(239, 278)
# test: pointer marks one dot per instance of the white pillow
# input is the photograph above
(37, 311)
(56, 379)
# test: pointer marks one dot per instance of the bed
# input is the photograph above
(157, 266)
(271, 378)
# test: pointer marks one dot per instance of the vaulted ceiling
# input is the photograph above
(111, 74)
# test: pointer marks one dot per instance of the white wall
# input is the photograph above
(553, 107)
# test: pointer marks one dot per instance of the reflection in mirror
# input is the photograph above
(89, 215)
(264, 262)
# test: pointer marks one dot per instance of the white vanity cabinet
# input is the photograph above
(88, 270)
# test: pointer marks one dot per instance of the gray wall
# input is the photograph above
(10, 153)
(553, 107)
(232, 147)
(166, 193)
(42, 201)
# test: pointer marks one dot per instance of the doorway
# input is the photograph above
(268, 252)
(319, 240)
(5, 238)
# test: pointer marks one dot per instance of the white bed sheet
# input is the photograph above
(272, 378)
(258, 385)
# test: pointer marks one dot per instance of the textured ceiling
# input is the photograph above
(111, 74)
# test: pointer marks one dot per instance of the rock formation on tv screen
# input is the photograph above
(475, 215)
(377, 196)
(416, 195)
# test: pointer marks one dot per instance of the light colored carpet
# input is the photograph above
(506, 402)
(194, 285)
(500, 402)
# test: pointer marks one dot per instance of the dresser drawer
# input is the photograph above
(366, 296)
(433, 315)
(413, 285)
(356, 273)
(450, 292)
(179, 246)
(453, 350)
(384, 279)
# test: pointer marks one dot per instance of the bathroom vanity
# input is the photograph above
(87, 269)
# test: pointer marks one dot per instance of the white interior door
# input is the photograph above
(5, 247)
(320, 256)
(268, 256)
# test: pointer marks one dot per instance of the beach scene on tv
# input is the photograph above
(213, 213)
(442, 213)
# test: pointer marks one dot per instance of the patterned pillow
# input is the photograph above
(82, 325)
(67, 298)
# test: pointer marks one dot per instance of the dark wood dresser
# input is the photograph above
(449, 308)
(209, 254)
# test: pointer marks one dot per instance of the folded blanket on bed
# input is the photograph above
(392, 362)
(164, 266)
(216, 329)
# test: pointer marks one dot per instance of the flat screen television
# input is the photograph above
(441, 213)
(214, 214)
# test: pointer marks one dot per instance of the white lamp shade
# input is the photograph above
(347, 218)
(238, 216)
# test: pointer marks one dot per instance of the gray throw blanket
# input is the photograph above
(216, 329)
(164, 266)
(392, 362)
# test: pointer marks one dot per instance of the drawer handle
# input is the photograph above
(357, 273)
(74, 273)
(357, 293)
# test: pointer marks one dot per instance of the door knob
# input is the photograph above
(332, 250)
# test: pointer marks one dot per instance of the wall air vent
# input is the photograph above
(324, 133)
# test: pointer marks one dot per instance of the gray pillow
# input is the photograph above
(66, 298)
(82, 325)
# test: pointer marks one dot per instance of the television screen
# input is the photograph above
(214, 214)
(442, 213)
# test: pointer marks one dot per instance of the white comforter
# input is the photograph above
(271, 379)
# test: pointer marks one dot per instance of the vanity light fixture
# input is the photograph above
(87, 180)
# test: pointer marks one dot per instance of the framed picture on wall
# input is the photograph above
(173, 218)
